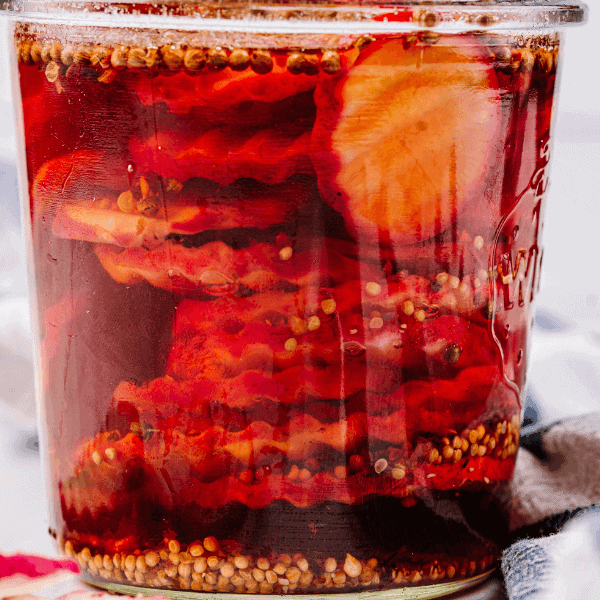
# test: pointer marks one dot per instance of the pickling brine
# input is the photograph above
(284, 294)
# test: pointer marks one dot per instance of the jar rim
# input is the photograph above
(448, 15)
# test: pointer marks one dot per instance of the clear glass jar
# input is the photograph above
(284, 262)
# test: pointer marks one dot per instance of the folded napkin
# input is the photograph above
(555, 513)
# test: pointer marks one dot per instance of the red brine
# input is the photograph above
(284, 299)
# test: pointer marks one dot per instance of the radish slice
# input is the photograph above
(404, 138)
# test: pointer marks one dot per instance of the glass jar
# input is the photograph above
(284, 259)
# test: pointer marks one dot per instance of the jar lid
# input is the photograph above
(312, 16)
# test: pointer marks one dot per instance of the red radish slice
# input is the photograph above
(82, 190)
(198, 467)
(103, 488)
(259, 396)
(404, 138)
(89, 222)
(81, 175)
(259, 267)
(225, 154)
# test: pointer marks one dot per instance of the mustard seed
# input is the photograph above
(239, 59)
(302, 564)
(448, 452)
(216, 58)
(297, 325)
(328, 306)
(291, 344)
(261, 62)
(194, 59)
(152, 559)
(210, 544)
(171, 571)
(263, 563)
(118, 58)
(330, 62)
(299, 62)
(184, 569)
(140, 564)
(265, 587)
(47, 53)
(372, 288)
(286, 253)
(271, 577)
(172, 57)
(210, 578)
(339, 577)
(200, 565)
(340, 472)
(376, 323)
(352, 566)
(330, 565)
(313, 323)
(380, 465)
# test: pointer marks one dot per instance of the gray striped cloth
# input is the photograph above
(555, 514)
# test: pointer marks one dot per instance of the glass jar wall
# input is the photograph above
(284, 292)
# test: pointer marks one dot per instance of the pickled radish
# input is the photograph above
(404, 138)
(257, 268)
(224, 154)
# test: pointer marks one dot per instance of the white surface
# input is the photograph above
(565, 372)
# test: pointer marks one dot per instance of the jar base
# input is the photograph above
(425, 592)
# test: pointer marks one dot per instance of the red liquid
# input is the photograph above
(286, 314)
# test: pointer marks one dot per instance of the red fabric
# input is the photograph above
(33, 566)
(21, 574)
